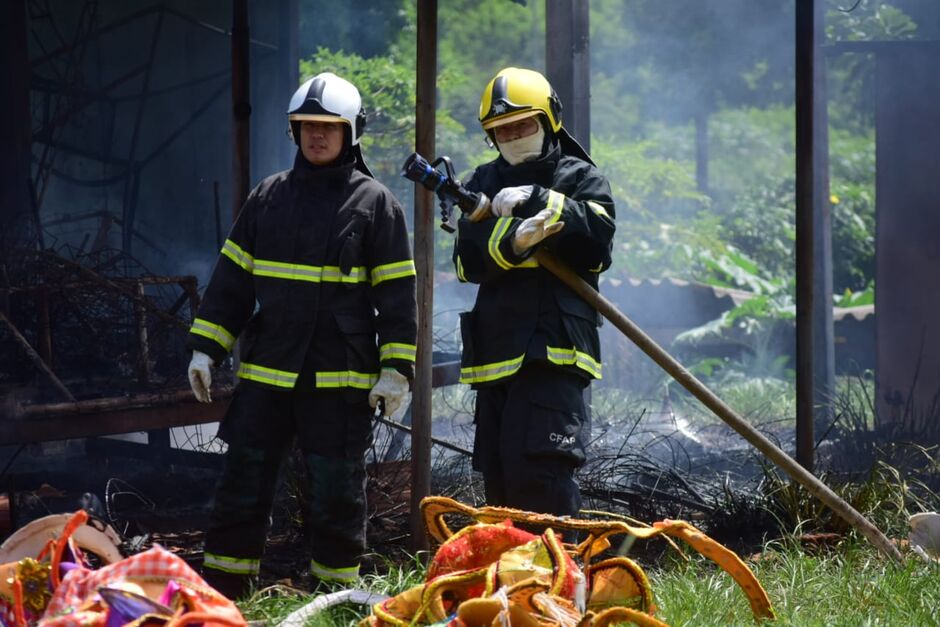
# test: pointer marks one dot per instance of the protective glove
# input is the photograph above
(392, 387)
(508, 199)
(533, 230)
(200, 376)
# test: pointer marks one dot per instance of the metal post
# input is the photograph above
(241, 106)
(805, 231)
(424, 262)
(568, 63)
(824, 345)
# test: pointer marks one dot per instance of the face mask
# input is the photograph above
(523, 149)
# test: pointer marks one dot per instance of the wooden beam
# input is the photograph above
(110, 416)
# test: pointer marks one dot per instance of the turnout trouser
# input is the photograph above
(531, 433)
(333, 429)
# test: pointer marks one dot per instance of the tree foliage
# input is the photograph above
(655, 63)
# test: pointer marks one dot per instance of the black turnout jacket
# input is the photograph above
(523, 312)
(317, 280)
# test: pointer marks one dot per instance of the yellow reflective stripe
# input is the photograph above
(555, 202)
(572, 356)
(347, 379)
(333, 274)
(491, 372)
(234, 252)
(598, 209)
(502, 226)
(334, 574)
(234, 565)
(395, 350)
(397, 270)
(460, 274)
(599, 267)
(312, 274)
(214, 332)
(262, 374)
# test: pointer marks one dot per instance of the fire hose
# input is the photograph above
(452, 194)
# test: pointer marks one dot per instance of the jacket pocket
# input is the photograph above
(466, 337)
(556, 425)
(350, 255)
(362, 354)
(571, 304)
(580, 321)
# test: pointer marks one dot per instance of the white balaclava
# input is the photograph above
(524, 148)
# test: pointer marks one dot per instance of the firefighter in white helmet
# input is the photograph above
(317, 281)
(530, 344)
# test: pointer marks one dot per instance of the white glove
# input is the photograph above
(392, 387)
(200, 376)
(533, 230)
(508, 199)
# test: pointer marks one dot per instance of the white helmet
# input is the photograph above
(328, 98)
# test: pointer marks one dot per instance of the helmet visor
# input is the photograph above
(512, 117)
(316, 117)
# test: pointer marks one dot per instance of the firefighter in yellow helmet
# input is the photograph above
(317, 282)
(530, 344)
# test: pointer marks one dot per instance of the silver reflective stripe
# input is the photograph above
(234, 565)
(311, 274)
(491, 372)
(397, 270)
(292, 271)
(571, 356)
(279, 378)
(395, 350)
(234, 252)
(334, 574)
(346, 379)
(556, 202)
(332, 274)
(598, 209)
(499, 230)
(215, 332)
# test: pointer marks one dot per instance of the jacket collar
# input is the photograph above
(339, 172)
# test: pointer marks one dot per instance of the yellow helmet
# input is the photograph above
(515, 94)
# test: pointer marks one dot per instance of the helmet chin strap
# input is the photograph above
(523, 149)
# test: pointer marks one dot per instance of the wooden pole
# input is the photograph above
(424, 263)
(678, 372)
(805, 234)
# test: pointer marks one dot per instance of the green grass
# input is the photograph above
(851, 585)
